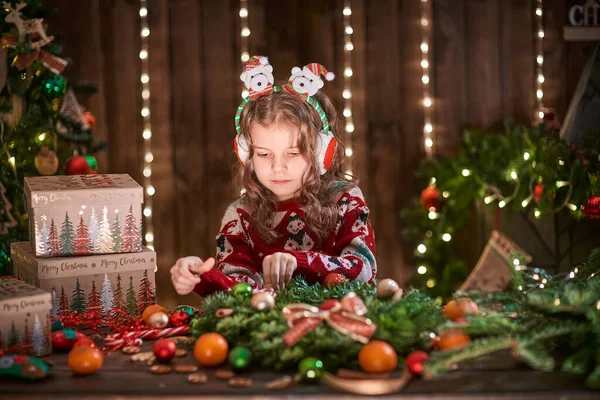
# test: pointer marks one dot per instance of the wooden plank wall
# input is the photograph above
(482, 72)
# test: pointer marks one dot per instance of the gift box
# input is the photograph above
(98, 283)
(77, 215)
(24, 318)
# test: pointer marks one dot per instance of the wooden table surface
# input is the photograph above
(496, 376)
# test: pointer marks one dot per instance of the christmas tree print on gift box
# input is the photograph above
(104, 300)
(98, 283)
(24, 318)
(78, 215)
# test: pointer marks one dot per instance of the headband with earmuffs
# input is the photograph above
(304, 83)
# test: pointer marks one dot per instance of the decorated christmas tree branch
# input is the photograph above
(527, 170)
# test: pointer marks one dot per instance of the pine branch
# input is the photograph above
(535, 355)
(443, 361)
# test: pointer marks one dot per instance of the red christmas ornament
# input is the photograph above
(164, 350)
(179, 318)
(430, 197)
(333, 279)
(592, 208)
(538, 192)
(77, 165)
(331, 304)
(415, 362)
(65, 339)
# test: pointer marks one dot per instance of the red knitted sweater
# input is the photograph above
(349, 250)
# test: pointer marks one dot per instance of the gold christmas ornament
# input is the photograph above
(46, 162)
(262, 301)
(158, 320)
(386, 288)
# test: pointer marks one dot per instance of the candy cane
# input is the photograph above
(118, 340)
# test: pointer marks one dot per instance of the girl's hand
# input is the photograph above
(278, 269)
(185, 274)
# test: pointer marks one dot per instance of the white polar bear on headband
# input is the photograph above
(258, 76)
(308, 79)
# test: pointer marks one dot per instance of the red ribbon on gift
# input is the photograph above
(345, 317)
(22, 61)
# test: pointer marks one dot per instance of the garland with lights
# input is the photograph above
(537, 317)
(43, 128)
(523, 169)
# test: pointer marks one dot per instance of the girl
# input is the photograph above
(299, 213)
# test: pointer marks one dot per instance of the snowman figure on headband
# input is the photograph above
(258, 76)
(308, 79)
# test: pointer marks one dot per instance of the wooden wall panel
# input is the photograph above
(518, 60)
(189, 135)
(384, 93)
(162, 146)
(483, 44)
(220, 74)
(450, 107)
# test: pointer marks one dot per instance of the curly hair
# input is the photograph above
(319, 193)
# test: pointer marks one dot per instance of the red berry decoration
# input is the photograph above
(65, 339)
(179, 318)
(415, 362)
(430, 197)
(164, 350)
(77, 165)
(333, 279)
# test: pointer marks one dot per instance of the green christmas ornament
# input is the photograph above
(242, 289)
(239, 358)
(54, 86)
(187, 309)
(92, 162)
(4, 262)
(310, 369)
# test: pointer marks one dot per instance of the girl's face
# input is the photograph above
(277, 161)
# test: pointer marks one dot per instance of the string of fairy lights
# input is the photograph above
(244, 33)
(347, 91)
(149, 190)
(426, 76)
(539, 60)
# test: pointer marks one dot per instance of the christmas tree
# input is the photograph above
(107, 295)
(118, 302)
(26, 342)
(55, 303)
(6, 218)
(82, 241)
(66, 237)
(93, 232)
(131, 304)
(38, 337)
(78, 299)
(42, 123)
(93, 303)
(53, 240)
(146, 294)
(63, 305)
(106, 242)
(42, 237)
(14, 338)
(116, 233)
(131, 239)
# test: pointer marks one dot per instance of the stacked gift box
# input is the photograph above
(85, 248)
